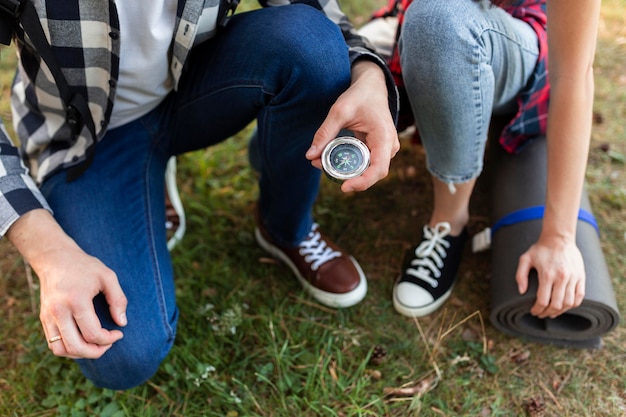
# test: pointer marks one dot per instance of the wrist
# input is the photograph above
(557, 238)
(367, 68)
(36, 234)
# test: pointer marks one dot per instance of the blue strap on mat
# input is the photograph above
(535, 213)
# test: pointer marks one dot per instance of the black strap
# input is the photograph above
(77, 111)
(8, 11)
(229, 6)
(76, 108)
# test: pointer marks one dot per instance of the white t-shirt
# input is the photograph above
(146, 31)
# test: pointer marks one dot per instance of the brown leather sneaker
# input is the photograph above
(330, 275)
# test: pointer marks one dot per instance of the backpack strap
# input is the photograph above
(77, 112)
(9, 9)
(76, 108)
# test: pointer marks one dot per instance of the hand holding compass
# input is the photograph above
(364, 110)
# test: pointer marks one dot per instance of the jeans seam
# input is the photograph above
(158, 278)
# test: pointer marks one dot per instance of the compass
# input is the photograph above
(345, 157)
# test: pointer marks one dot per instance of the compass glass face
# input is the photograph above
(346, 158)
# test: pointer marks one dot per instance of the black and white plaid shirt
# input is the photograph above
(86, 40)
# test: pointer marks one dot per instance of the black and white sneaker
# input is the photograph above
(429, 272)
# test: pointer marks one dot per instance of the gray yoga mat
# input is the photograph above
(518, 187)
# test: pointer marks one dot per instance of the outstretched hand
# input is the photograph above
(364, 109)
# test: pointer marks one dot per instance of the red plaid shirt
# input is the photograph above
(531, 118)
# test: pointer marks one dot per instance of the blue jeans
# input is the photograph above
(462, 62)
(283, 66)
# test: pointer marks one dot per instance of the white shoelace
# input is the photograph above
(315, 250)
(430, 254)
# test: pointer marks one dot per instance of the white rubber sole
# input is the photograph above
(172, 190)
(422, 311)
(327, 298)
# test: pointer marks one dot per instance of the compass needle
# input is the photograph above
(345, 157)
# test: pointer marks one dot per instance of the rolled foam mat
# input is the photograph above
(518, 187)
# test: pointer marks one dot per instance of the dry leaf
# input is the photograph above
(421, 388)
(332, 369)
(375, 374)
(520, 357)
(535, 407)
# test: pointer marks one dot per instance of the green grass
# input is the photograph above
(250, 343)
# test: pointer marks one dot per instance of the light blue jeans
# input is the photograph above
(462, 62)
(283, 66)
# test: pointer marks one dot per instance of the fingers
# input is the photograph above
(373, 174)
(117, 304)
(383, 145)
(89, 331)
(380, 159)
(68, 315)
(69, 343)
(521, 276)
(68, 347)
(77, 332)
(557, 293)
(560, 276)
(382, 152)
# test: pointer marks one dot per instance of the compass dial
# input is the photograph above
(344, 158)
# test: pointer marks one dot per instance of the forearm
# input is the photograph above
(569, 131)
(572, 38)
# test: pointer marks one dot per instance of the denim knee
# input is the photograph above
(432, 27)
(136, 357)
(127, 364)
(318, 60)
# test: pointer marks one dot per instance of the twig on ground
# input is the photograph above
(312, 304)
(31, 286)
(412, 389)
(551, 395)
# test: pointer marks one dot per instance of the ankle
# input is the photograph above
(457, 224)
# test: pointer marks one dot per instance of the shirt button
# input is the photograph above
(114, 35)
(112, 83)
